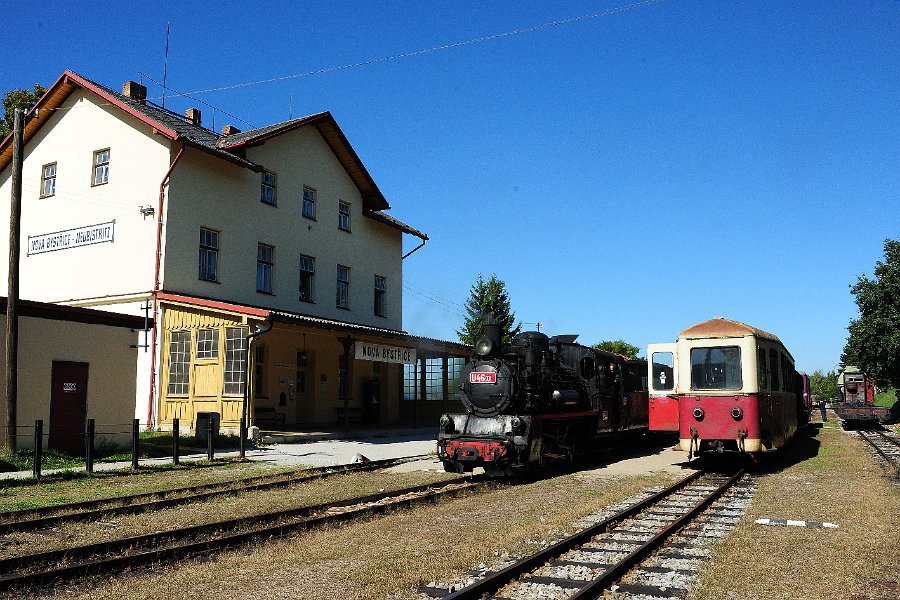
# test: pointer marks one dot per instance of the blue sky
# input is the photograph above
(627, 175)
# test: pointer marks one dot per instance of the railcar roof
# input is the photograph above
(721, 327)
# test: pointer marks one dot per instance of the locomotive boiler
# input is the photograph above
(537, 399)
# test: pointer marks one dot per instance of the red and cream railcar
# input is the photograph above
(724, 385)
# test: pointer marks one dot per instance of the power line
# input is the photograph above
(412, 53)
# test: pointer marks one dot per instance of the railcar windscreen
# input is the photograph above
(717, 368)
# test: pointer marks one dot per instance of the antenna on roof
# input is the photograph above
(291, 108)
(165, 66)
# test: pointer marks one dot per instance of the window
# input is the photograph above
(267, 187)
(260, 383)
(208, 343)
(265, 262)
(48, 180)
(307, 272)
(717, 368)
(454, 369)
(235, 360)
(411, 381)
(344, 216)
(309, 202)
(343, 287)
(773, 370)
(761, 368)
(101, 167)
(209, 254)
(434, 380)
(380, 289)
(179, 362)
(663, 370)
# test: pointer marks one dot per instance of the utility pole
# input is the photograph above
(12, 299)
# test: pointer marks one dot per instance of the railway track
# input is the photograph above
(52, 516)
(652, 548)
(887, 446)
(61, 566)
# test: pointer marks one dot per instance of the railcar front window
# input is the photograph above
(716, 368)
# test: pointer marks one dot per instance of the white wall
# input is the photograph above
(138, 161)
(209, 192)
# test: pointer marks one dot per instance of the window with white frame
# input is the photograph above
(267, 187)
(235, 360)
(208, 343)
(309, 202)
(265, 264)
(179, 363)
(48, 180)
(380, 291)
(344, 216)
(101, 167)
(209, 254)
(307, 274)
(343, 287)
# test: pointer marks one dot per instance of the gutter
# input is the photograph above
(424, 239)
(155, 293)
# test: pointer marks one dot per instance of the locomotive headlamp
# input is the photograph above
(484, 346)
(516, 423)
(446, 424)
(698, 413)
(737, 413)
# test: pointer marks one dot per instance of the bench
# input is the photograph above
(268, 416)
(354, 414)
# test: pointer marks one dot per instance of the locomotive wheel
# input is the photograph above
(451, 466)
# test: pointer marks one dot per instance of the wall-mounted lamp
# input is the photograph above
(147, 211)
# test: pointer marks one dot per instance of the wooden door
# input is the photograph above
(68, 407)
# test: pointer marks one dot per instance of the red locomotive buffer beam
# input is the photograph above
(664, 413)
(476, 451)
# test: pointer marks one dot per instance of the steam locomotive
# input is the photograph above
(540, 399)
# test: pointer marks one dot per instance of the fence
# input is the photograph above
(90, 436)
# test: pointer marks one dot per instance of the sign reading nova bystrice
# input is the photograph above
(72, 238)
(382, 353)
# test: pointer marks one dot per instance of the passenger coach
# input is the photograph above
(724, 385)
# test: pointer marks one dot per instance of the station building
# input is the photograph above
(264, 262)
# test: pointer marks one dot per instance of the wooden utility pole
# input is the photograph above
(12, 297)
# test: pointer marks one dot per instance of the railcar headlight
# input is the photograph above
(446, 424)
(698, 413)
(484, 346)
(737, 413)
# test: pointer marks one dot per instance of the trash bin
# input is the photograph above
(203, 418)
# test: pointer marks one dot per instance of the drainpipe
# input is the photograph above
(260, 330)
(156, 271)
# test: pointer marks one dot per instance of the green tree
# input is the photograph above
(18, 99)
(488, 303)
(874, 341)
(824, 385)
(619, 347)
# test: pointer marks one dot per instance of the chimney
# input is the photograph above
(135, 91)
(230, 130)
(192, 116)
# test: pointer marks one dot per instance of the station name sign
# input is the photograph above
(72, 238)
(382, 353)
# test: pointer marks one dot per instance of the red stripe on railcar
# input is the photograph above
(717, 421)
(664, 414)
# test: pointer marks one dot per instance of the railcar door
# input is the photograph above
(662, 373)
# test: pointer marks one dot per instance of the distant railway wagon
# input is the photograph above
(726, 386)
(857, 397)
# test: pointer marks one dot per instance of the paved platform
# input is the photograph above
(313, 449)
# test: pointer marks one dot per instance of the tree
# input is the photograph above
(824, 385)
(874, 341)
(18, 99)
(488, 303)
(618, 347)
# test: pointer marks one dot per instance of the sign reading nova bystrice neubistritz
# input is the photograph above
(72, 238)
(382, 353)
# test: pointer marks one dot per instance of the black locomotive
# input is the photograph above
(538, 399)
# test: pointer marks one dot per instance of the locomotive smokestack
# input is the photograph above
(492, 332)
